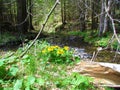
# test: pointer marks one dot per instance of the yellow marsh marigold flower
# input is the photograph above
(43, 51)
(66, 47)
(56, 46)
(60, 51)
(50, 49)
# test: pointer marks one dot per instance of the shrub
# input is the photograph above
(103, 42)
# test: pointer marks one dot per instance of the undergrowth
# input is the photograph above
(92, 38)
(9, 36)
(44, 67)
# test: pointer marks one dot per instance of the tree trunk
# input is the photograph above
(63, 11)
(30, 16)
(102, 18)
(22, 16)
(94, 13)
(1, 16)
(82, 13)
(1, 6)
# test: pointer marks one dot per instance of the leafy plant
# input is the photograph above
(80, 82)
(76, 82)
(102, 42)
(115, 45)
(57, 54)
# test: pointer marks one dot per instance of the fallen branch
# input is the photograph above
(42, 28)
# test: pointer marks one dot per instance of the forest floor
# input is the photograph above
(70, 39)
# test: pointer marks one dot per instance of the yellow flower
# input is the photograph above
(56, 46)
(60, 51)
(66, 47)
(43, 51)
(50, 49)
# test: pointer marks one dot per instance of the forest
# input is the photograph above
(59, 44)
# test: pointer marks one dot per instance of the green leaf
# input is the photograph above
(13, 71)
(25, 56)
(40, 81)
(30, 80)
(18, 85)
(1, 62)
(8, 88)
(27, 88)
(1, 81)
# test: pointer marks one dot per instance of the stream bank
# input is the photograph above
(85, 50)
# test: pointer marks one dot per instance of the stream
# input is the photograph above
(82, 49)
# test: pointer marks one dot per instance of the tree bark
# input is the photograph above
(94, 13)
(30, 16)
(82, 16)
(102, 18)
(1, 7)
(22, 24)
(63, 11)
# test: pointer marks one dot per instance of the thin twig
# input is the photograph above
(117, 50)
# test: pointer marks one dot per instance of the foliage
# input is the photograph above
(76, 82)
(92, 38)
(115, 45)
(9, 36)
(106, 88)
(41, 68)
(75, 33)
(103, 42)
(58, 54)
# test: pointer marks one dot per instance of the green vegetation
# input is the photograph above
(92, 38)
(57, 54)
(106, 88)
(9, 36)
(43, 67)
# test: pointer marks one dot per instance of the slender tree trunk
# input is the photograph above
(94, 12)
(1, 7)
(102, 17)
(1, 3)
(82, 16)
(30, 16)
(63, 11)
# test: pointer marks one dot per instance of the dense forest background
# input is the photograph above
(26, 15)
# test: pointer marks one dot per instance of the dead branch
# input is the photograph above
(107, 15)
(42, 28)
(107, 8)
